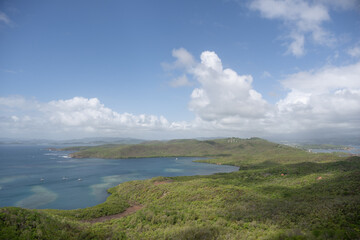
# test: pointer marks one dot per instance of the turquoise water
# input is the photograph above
(35, 177)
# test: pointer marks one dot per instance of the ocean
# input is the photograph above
(36, 177)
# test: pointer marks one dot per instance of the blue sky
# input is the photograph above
(174, 69)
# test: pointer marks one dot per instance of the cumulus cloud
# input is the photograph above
(74, 116)
(224, 99)
(325, 100)
(223, 95)
(302, 18)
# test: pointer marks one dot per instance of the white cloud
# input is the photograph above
(302, 17)
(180, 81)
(326, 100)
(90, 113)
(13, 102)
(297, 46)
(75, 117)
(322, 102)
(223, 96)
(327, 79)
(335, 113)
(183, 60)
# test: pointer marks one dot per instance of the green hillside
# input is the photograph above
(279, 192)
(157, 149)
(234, 147)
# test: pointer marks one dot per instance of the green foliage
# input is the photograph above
(279, 192)
(17, 223)
(192, 233)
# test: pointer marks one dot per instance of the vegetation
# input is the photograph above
(17, 223)
(279, 192)
(173, 148)
(181, 148)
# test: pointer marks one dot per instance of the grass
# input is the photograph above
(279, 192)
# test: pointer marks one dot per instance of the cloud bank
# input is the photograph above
(74, 117)
(327, 99)
(322, 103)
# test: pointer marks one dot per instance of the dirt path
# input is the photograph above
(134, 208)
(127, 212)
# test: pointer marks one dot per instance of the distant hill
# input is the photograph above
(72, 142)
(232, 151)
(172, 148)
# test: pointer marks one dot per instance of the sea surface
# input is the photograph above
(36, 177)
(352, 149)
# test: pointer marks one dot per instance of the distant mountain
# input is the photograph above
(103, 140)
(77, 142)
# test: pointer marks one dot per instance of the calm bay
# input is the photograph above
(36, 177)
